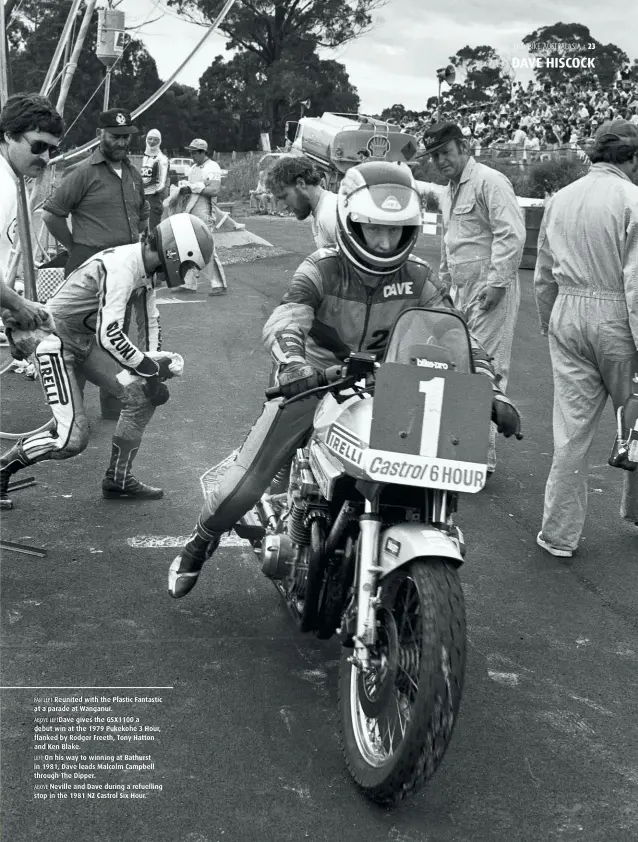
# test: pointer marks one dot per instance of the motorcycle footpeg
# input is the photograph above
(249, 527)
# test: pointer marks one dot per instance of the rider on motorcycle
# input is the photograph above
(340, 300)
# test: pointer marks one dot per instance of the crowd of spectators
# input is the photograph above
(538, 118)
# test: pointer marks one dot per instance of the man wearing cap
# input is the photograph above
(104, 195)
(481, 247)
(200, 189)
(586, 285)
(154, 176)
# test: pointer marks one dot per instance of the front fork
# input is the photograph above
(369, 569)
(368, 592)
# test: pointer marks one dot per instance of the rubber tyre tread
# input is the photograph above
(443, 610)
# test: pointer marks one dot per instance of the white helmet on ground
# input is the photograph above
(183, 242)
(377, 193)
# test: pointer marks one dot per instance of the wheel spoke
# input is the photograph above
(409, 677)
(403, 726)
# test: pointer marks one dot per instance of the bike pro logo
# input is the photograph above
(53, 380)
(345, 445)
(431, 363)
(393, 547)
(378, 146)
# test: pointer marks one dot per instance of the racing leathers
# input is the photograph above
(328, 312)
(89, 343)
(154, 174)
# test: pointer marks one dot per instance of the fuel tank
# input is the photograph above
(343, 431)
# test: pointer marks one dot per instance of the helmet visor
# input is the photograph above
(385, 204)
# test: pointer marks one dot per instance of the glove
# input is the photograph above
(22, 343)
(165, 372)
(506, 417)
(156, 391)
(170, 365)
(295, 378)
(147, 368)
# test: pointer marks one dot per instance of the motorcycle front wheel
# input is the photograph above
(397, 720)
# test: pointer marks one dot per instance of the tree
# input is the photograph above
(608, 58)
(483, 75)
(396, 113)
(273, 30)
(230, 102)
(33, 36)
(233, 93)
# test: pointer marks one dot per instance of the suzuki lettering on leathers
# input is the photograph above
(363, 544)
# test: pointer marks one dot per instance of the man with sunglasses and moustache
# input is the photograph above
(30, 131)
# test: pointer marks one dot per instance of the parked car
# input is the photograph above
(181, 166)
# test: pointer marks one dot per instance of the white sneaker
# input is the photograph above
(553, 550)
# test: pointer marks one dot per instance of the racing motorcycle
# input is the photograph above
(357, 536)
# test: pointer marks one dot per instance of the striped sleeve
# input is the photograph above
(115, 290)
(286, 330)
(147, 318)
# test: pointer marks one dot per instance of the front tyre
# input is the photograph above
(397, 721)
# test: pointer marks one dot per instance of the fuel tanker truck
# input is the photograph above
(336, 142)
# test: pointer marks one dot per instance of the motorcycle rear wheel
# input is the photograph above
(397, 722)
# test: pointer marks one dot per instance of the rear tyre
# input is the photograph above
(397, 721)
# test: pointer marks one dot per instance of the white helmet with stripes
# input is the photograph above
(183, 242)
(377, 193)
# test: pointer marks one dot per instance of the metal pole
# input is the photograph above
(4, 76)
(72, 65)
(154, 97)
(107, 89)
(59, 50)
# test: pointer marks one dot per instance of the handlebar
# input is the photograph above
(326, 378)
(336, 375)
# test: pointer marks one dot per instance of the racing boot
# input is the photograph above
(186, 567)
(10, 462)
(119, 481)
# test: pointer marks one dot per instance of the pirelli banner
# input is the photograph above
(430, 427)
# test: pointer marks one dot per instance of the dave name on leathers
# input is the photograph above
(341, 300)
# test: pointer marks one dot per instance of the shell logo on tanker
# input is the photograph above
(378, 146)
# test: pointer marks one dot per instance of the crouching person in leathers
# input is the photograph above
(89, 343)
(340, 300)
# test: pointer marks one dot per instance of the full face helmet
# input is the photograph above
(378, 193)
(183, 242)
